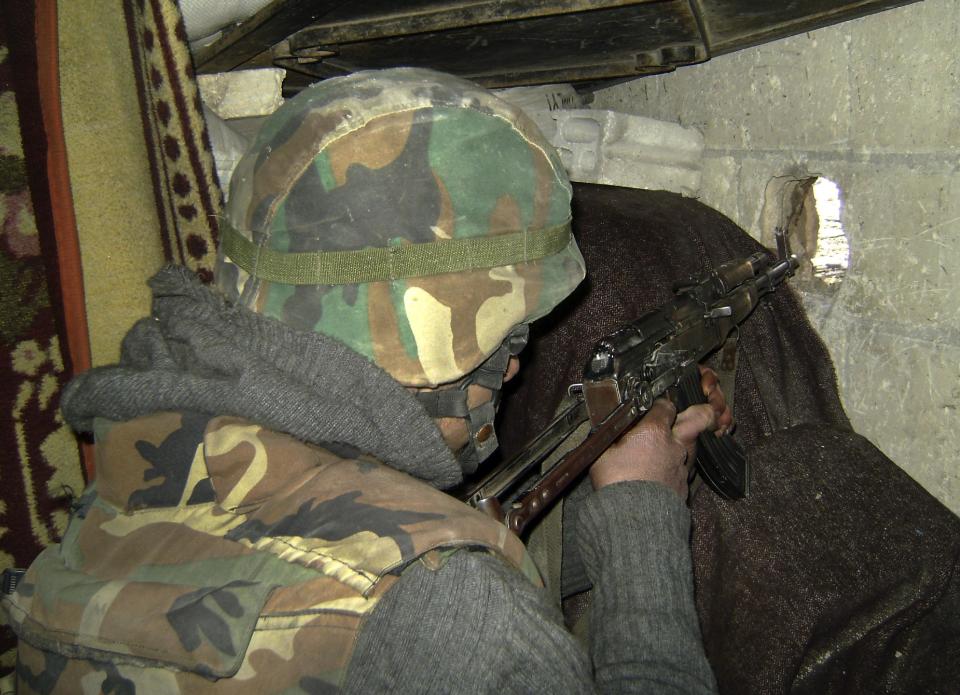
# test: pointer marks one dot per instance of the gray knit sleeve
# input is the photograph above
(475, 626)
(644, 632)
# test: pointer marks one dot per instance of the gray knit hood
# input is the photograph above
(200, 353)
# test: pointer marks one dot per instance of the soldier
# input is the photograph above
(267, 513)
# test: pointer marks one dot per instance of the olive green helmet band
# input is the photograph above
(392, 262)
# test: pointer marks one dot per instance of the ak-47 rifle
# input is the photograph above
(627, 370)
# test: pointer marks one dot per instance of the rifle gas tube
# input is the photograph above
(626, 371)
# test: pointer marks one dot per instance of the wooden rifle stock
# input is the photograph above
(552, 485)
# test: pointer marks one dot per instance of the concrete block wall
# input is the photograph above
(874, 105)
(619, 149)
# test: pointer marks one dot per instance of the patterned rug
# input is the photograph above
(145, 181)
(40, 469)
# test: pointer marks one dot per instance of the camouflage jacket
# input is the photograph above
(213, 554)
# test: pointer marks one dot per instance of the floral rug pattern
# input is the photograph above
(40, 470)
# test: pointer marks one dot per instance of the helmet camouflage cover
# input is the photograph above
(410, 214)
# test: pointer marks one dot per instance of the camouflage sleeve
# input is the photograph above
(644, 633)
(475, 625)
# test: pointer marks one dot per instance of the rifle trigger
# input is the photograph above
(575, 390)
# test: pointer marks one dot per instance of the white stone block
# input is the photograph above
(541, 101)
(242, 93)
(618, 149)
(228, 147)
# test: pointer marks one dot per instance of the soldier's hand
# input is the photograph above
(662, 446)
(710, 383)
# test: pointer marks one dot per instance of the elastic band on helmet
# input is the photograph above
(448, 403)
(453, 402)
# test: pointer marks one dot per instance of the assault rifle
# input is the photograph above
(626, 371)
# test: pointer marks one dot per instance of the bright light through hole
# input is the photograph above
(833, 252)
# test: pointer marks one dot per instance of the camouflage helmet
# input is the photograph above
(410, 214)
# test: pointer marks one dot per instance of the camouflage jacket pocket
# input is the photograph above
(200, 629)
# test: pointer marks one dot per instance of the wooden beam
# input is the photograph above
(251, 37)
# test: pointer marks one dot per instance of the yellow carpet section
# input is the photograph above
(141, 168)
(109, 171)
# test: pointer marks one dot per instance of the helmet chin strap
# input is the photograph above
(452, 402)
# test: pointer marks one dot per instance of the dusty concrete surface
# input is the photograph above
(242, 93)
(874, 105)
(619, 149)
